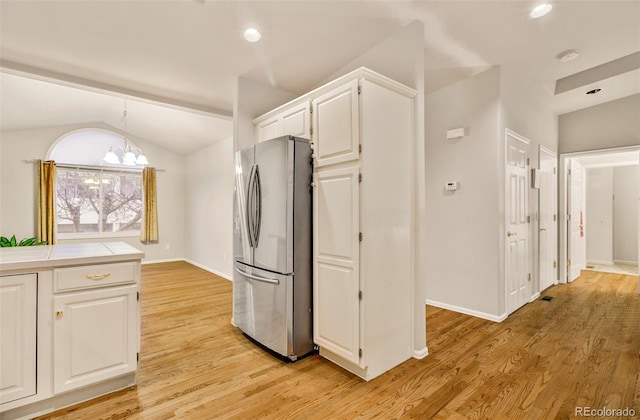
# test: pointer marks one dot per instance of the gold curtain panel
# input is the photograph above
(149, 231)
(46, 206)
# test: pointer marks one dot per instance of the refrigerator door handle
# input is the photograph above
(257, 278)
(249, 208)
(258, 205)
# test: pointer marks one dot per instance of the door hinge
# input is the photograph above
(360, 353)
(554, 217)
(555, 264)
(360, 236)
(569, 263)
(528, 161)
(359, 90)
(528, 219)
(569, 172)
(310, 130)
(359, 177)
(529, 277)
(360, 294)
(554, 171)
(138, 296)
(137, 356)
(310, 110)
(360, 148)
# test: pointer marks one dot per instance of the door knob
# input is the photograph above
(510, 234)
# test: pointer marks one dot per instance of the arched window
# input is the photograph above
(93, 198)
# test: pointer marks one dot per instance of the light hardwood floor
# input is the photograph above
(580, 349)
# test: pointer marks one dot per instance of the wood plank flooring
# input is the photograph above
(580, 349)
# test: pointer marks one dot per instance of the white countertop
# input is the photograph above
(50, 256)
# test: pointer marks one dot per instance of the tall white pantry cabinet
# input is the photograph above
(362, 129)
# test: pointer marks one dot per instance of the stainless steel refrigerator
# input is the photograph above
(272, 245)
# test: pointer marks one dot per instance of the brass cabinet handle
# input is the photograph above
(58, 314)
(98, 276)
(510, 234)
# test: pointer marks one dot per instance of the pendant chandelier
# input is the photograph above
(131, 155)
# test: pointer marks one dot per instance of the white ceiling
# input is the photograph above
(190, 52)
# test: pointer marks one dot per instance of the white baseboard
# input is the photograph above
(211, 270)
(625, 262)
(204, 267)
(144, 262)
(534, 297)
(421, 353)
(467, 311)
(601, 262)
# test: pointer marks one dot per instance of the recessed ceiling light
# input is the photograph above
(251, 35)
(540, 10)
(594, 91)
(568, 55)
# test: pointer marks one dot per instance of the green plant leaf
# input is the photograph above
(27, 242)
(13, 241)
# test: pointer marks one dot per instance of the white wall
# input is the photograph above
(465, 230)
(209, 208)
(462, 245)
(599, 215)
(625, 218)
(18, 190)
(609, 125)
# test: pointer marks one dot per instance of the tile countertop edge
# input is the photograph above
(110, 252)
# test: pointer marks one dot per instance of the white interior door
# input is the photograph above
(517, 230)
(576, 248)
(548, 227)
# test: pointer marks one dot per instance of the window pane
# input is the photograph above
(77, 201)
(121, 202)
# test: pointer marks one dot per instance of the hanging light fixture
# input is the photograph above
(131, 155)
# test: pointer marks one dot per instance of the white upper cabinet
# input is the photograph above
(336, 125)
(18, 307)
(294, 121)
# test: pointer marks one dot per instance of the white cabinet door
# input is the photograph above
(336, 309)
(269, 129)
(336, 125)
(94, 336)
(18, 308)
(294, 121)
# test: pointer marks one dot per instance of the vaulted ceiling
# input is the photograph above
(187, 54)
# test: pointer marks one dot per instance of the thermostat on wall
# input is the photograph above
(451, 186)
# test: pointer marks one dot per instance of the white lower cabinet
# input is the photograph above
(18, 308)
(69, 330)
(94, 336)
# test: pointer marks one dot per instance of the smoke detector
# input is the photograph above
(568, 55)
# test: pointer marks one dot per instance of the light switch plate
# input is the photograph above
(451, 186)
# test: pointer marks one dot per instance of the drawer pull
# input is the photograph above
(98, 276)
(59, 314)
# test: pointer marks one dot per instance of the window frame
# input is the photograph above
(97, 235)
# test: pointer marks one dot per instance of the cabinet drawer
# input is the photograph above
(93, 276)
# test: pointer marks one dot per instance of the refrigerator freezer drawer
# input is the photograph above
(260, 307)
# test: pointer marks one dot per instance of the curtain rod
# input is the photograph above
(91, 167)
